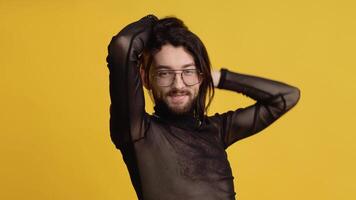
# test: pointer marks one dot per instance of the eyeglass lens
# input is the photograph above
(166, 77)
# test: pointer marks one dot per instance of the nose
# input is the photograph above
(178, 81)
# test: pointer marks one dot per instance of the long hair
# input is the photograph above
(173, 31)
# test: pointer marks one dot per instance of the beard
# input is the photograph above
(165, 102)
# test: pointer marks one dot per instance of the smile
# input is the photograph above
(178, 98)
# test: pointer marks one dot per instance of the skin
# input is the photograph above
(178, 97)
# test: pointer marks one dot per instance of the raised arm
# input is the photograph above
(127, 107)
(273, 98)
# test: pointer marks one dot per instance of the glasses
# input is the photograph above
(190, 77)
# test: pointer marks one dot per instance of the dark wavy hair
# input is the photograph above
(173, 31)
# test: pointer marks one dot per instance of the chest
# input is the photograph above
(197, 155)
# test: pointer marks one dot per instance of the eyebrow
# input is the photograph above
(168, 67)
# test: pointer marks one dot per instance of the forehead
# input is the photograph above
(171, 57)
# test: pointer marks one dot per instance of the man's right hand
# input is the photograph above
(215, 74)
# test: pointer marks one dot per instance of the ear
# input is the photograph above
(143, 79)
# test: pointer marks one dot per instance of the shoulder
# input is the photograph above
(222, 118)
(217, 117)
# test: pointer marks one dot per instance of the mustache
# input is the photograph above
(178, 92)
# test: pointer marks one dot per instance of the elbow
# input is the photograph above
(117, 50)
(292, 98)
(118, 44)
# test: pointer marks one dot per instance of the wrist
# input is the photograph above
(221, 82)
(216, 75)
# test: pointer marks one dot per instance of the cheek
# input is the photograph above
(196, 91)
(159, 92)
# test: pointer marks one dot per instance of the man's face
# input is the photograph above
(179, 95)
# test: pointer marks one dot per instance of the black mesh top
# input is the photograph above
(176, 158)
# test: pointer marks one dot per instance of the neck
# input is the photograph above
(184, 120)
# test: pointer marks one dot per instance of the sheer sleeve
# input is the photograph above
(273, 99)
(127, 109)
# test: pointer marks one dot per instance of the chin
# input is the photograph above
(180, 109)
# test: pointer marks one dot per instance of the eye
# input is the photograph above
(163, 74)
(190, 72)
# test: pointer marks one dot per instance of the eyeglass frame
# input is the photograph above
(199, 74)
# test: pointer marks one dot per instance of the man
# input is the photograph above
(179, 152)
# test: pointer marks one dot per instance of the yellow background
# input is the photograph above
(55, 98)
